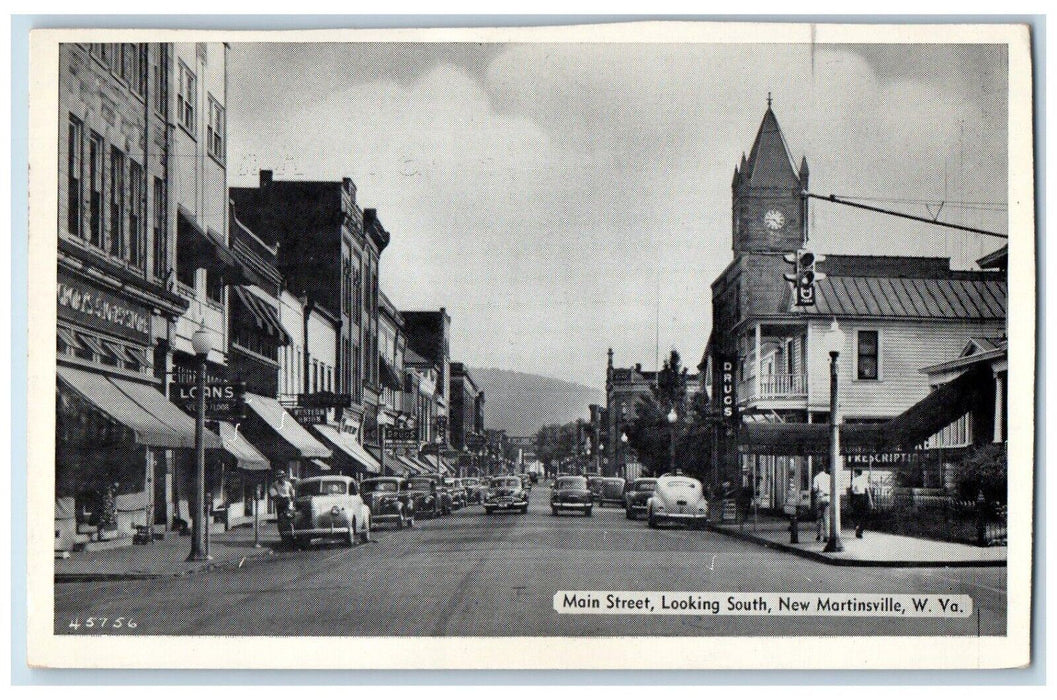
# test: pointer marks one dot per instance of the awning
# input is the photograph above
(390, 377)
(275, 432)
(246, 455)
(320, 464)
(153, 419)
(263, 315)
(345, 446)
(411, 466)
(946, 404)
(937, 410)
(206, 251)
(800, 439)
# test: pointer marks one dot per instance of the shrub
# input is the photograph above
(983, 469)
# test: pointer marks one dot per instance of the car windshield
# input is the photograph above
(645, 485)
(421, 484)
(322, 487)
(372, 486)
(572, 482)
(506, 483)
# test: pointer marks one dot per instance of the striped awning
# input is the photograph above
(264, 316)
(246, 455)
(347, 448)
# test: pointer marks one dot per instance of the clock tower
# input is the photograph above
(769, 211)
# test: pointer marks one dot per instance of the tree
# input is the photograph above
(556, 445)
(650, 434)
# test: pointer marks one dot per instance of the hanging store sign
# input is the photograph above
(308, 415)
(726, 387)
(224, 400)
(324, 399)
(401, 435)
(83, 304)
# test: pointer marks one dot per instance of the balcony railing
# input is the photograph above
(774, 386)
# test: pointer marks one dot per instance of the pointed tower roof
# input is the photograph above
(770, 163)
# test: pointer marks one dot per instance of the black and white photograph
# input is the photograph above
(591, 347)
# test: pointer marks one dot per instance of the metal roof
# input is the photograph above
(894, 297)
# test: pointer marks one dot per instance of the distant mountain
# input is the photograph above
(520, 403)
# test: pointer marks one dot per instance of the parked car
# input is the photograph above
(594, 485)
(505, 493)
(677, 498)
(571, 493)
(636, 497)
(612, 491)
(389, 500)
(456, 491)
(428, 499)
(329, 507)
(474, 489)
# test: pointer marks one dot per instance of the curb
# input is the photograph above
(840, 561)
(148, 575)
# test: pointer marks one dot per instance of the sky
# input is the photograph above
(561, 199)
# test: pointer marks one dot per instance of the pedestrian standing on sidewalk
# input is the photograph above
(820, 486)
(861, 501)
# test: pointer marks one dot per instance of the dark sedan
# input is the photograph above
(505, 493)
(637, 496)
(389, 500)
(571, 493)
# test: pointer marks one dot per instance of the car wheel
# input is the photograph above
(651, 520)
(629, 513)
(303, 542)
(587, 512)
(524, 510)
(554, 511)
(401, 523)
(487, 511)
(411, 521)
(350, 541)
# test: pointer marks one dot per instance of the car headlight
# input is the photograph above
(335, 511)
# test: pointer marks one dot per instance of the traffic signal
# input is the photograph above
(804, 275)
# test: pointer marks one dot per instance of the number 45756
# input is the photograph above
(113, 623)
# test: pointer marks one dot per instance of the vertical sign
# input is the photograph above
(726, 386)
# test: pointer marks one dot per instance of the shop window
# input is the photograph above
(867, 355)
(74, 193)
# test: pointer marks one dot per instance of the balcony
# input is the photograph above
(773, 387)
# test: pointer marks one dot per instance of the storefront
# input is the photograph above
(116, 431)
(350, 457)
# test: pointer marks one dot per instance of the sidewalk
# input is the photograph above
(165, 558)
(875, 549)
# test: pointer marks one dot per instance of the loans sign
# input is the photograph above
(224, 400)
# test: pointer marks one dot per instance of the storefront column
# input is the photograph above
(1000, 409)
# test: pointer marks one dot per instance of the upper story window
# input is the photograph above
(95, 190)
(161, 239)
(160, 83)
(74, 180)
(867, 355)
(137, 255)
(117, 202)
(187, 98)
(215, 130)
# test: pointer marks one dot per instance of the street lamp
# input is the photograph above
(202, 343)
(622, 446)
(672, 418)
(833, 341)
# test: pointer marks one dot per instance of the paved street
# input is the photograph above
(472, 574)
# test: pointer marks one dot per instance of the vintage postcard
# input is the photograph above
(655, 345)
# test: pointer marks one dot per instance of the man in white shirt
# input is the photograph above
(860, 501)
(820, 487)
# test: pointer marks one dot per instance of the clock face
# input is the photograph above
(774, 219)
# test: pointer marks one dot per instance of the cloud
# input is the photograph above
(552, 196)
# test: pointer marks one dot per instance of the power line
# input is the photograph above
(833, 198)
(984, 206)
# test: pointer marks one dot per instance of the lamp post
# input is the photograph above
(672, 418)
(202, 343)
(834, 343)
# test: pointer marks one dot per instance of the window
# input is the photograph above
(161, 239)
(214, 286)
(215, 130)
(186, 98)
(117, 202)
(95, 190)
(142, 68)
(160, 88)
(867, 355)
(127, 64)
(136, 254)
(74, 191)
